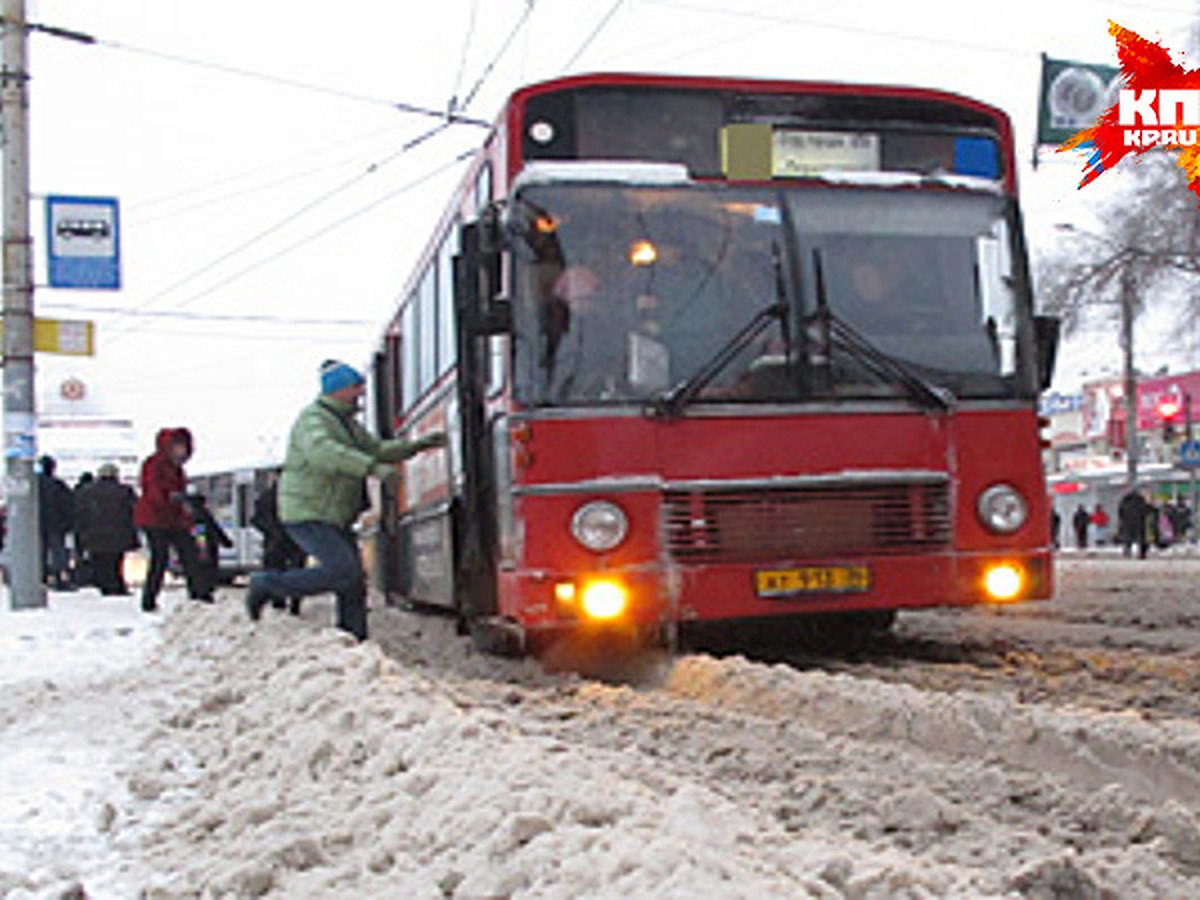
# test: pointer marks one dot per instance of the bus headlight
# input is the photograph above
(604, 601)
(1004, 581)
(1002, 509)
(599, 525)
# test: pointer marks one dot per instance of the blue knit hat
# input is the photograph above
(337, 375)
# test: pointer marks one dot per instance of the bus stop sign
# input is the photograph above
(1189, 455)
(83, 242)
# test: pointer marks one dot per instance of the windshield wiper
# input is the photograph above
(845, 338)
(670, 403)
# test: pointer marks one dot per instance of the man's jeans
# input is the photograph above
(338, 569)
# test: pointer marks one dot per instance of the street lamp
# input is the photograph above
(1128, 374)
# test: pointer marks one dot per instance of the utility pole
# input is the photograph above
(1128, 298)
(20, 423)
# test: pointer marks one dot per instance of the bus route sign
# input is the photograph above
(83, 243)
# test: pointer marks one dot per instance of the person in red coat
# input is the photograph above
(162, 513)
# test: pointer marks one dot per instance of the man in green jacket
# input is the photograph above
(322, 493)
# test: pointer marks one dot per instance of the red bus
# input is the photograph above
(714, 350)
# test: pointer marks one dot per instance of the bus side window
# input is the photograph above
(427, 369)
(394, 398)
(447, 341)
(483, 187)
(410, 345)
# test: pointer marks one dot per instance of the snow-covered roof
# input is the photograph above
(909, 179)
(645, 174)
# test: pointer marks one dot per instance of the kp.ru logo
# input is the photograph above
(1159, 107)
(1169, 112)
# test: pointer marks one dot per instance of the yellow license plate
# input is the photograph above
(812, 580)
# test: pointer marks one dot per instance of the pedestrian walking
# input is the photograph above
(1150, 525)
(1099, 525)
(81, 566)
(56, 518)
(1055, 526)
(104, 522)
(162, 513)
(210, 538)
(1183, 517)
(1131, 522)
(1080, 521)
(280, 552)
(322, 492)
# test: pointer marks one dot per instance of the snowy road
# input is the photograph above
(1045, 751)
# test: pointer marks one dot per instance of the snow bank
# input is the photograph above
(281, 759)
(66, 673)
(1158, 761)
(296, 763)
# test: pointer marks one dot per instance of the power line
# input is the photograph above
(452, 117)
(193, 316)
(272, 166)
(462, 56)
(680, 39)
(874, 32)
(837, 26)
(295, 245)
(507, 42)
(404, 106)
(290, 218)
(238, 193)
(587, 42)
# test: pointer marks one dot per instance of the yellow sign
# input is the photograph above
(62, 336)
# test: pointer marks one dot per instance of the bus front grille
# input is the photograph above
(769, 524)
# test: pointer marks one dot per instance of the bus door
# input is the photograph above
(479, 316)
(385, 569)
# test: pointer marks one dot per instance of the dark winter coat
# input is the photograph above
(280, 552)
(104, 517)
(56, 505)
(1131, 517)
(163, 503)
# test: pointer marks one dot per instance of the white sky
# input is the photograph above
(203, 162)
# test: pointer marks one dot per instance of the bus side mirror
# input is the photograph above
(1046, 332)
(478, 277)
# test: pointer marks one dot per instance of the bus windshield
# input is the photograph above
(624, 292)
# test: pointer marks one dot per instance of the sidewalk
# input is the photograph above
(1186, 550)
(66, 729)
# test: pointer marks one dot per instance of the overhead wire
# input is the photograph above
(238, 193)
(295, 245)
(191, 315)
(272, 166)
(450, 116)
(867, 29)
(289, 219)
(676, 37)
(521, 22)
(838, 26)
(468, 34)
(591, 38)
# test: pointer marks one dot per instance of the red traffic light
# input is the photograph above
(1169, 408)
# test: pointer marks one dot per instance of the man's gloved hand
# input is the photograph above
(387, 473)
(430, 442)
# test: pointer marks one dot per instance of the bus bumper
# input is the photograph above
(635, 598)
